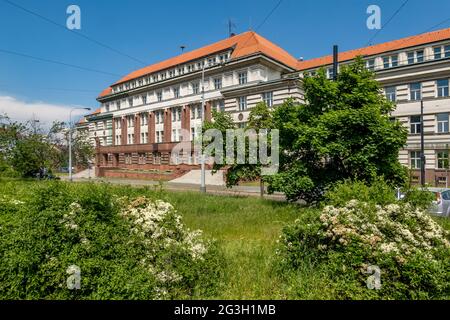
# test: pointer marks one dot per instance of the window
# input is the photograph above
(176, 114)
(411, 58)
(242, 103)
(442, 122)
(437, 53)
(330, 73)
(156, 157)
(442, 181)
(174, 135)
(159, 96)
(193, 112)
(118, 139)
(391, 61)
(447, 51)
(242, 125)
(130, 138)
(391, 93)
(242, 77)
(370, 64)
(195, 88)
(118, 105)
(144, 119)
(159, 116)
(415, 91)
(394, 61)
(442, 159)
(419, 56)
(416, 162)
(442, 88)
(107, 107)
(267, 98)
(159, 136)
(176, 92)
(415, 124)
(219, 105)
(141, 82)
(199, 112)
(415, 57)
(193, 134)
(144, 99)
(218, 83)
(130, 120)
(128, 158)
(118, 123)
(141, 158)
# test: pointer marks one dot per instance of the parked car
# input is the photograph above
(441, 206)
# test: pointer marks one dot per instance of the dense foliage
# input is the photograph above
(126, 247)
(26, 149)
(343, 131)
(346, 243)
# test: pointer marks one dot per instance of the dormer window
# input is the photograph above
(242, 76)
(390, 62)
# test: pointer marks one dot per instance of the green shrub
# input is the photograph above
(406, 244)
(379, 192)
(419, 198)
(125, 247)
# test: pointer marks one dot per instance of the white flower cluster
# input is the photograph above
(160, 228)
(398, 230)
(69, 219)
(6, 200)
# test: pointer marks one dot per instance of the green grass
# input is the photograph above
(247, 229)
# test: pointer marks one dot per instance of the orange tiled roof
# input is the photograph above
(244, 44)
(377, 49)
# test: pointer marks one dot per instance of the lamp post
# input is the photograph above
(202, 156)
(70, 139)
(422, 147)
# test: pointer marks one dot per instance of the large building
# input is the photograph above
(143, 114)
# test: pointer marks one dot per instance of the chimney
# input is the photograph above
(232, 35)
(335, 62)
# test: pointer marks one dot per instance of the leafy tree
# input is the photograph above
(260, 118)
(342, 131)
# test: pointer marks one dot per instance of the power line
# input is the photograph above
(58, 62)
(269, 15)
(263, 22)
(55, 89)
(437, 25)
(389, 20)
(74, 32)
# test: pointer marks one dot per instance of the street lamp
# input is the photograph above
(70, 139)
(202, 155)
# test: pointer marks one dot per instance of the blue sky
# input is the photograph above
(153, 30)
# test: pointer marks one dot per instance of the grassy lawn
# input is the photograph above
(247, 229)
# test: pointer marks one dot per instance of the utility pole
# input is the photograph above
(422, 147)
(70, 139)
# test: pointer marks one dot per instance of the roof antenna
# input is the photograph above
(231, 25)
(182, 48)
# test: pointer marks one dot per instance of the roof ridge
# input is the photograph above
(373, 49)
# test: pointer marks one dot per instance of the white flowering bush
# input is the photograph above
(410, 248)
(126, 246)
(157, 226)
